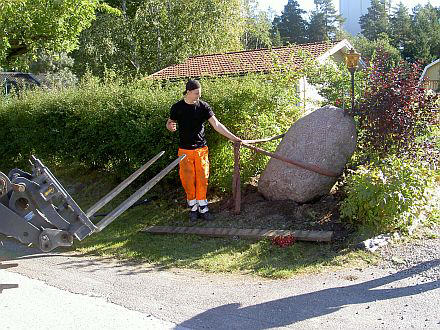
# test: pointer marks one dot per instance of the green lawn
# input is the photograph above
(123, 239)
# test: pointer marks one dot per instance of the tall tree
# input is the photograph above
(276, 38)
(257, 33)
(160, 33)
(107, 44)
(369, 48)
(316, 29)
(170, 31)
(56, 67)
(324, 22)
(29, 25)
(401, 33)
(291, 25)
(425, 45)
(376, 20)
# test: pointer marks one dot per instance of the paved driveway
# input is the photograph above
(373, 298)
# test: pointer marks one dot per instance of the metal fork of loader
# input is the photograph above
(36, 209)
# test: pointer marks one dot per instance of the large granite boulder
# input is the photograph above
(325, 138)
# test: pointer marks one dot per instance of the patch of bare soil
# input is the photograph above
(258, 212)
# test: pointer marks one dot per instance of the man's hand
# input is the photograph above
(171, 125)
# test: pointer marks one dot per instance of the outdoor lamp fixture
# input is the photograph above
(352, 61)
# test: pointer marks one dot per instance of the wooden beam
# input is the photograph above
(300, 235)
(309, 167)
(265, 139)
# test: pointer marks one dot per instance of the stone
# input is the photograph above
(376, 242)
(325, 138)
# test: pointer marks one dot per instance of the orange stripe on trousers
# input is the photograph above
(194, 172)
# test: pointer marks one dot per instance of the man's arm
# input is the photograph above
(171, 125)
(219, 127)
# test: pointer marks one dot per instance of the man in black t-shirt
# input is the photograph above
(189, 115)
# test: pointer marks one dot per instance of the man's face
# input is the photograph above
(194, 95)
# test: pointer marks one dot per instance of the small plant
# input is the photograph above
(387, 195)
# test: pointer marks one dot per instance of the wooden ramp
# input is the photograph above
(300, 235)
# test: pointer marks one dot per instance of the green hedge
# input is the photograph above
(117, 126)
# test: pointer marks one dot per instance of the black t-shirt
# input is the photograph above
(191, 123)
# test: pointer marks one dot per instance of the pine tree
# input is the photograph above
(376, 20)
(291, 24)
(400, 29)
(425, 27)
(316, 29)
(276, 39)
(325, 22)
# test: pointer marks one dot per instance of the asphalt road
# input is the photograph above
(31, 304)
(54, 290)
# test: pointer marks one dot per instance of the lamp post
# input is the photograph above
(352, 60)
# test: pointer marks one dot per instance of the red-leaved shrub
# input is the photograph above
(395, 108)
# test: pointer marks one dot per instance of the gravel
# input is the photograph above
(421, 253)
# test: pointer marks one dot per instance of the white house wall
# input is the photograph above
(433, 73)
(309, 96)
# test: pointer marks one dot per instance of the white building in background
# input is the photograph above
(351, 11)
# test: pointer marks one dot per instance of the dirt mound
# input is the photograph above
(258, 212)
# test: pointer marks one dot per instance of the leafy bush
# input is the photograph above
(252, 107)
(334, 83)
(387, 195)
(112, 125)
(370, 48)
(395, 109)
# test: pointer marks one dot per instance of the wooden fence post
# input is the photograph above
(236, 183)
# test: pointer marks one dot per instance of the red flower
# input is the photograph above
(283, 241)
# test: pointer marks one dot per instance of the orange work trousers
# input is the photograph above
(194, 173)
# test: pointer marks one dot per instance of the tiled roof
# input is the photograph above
(236, 63)
(19, 77)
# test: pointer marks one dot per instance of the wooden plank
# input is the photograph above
(300, 235)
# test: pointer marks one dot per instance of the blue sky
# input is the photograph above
(278, 5)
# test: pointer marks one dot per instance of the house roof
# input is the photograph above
(236, 63)
(427, 67)
(19, 78)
